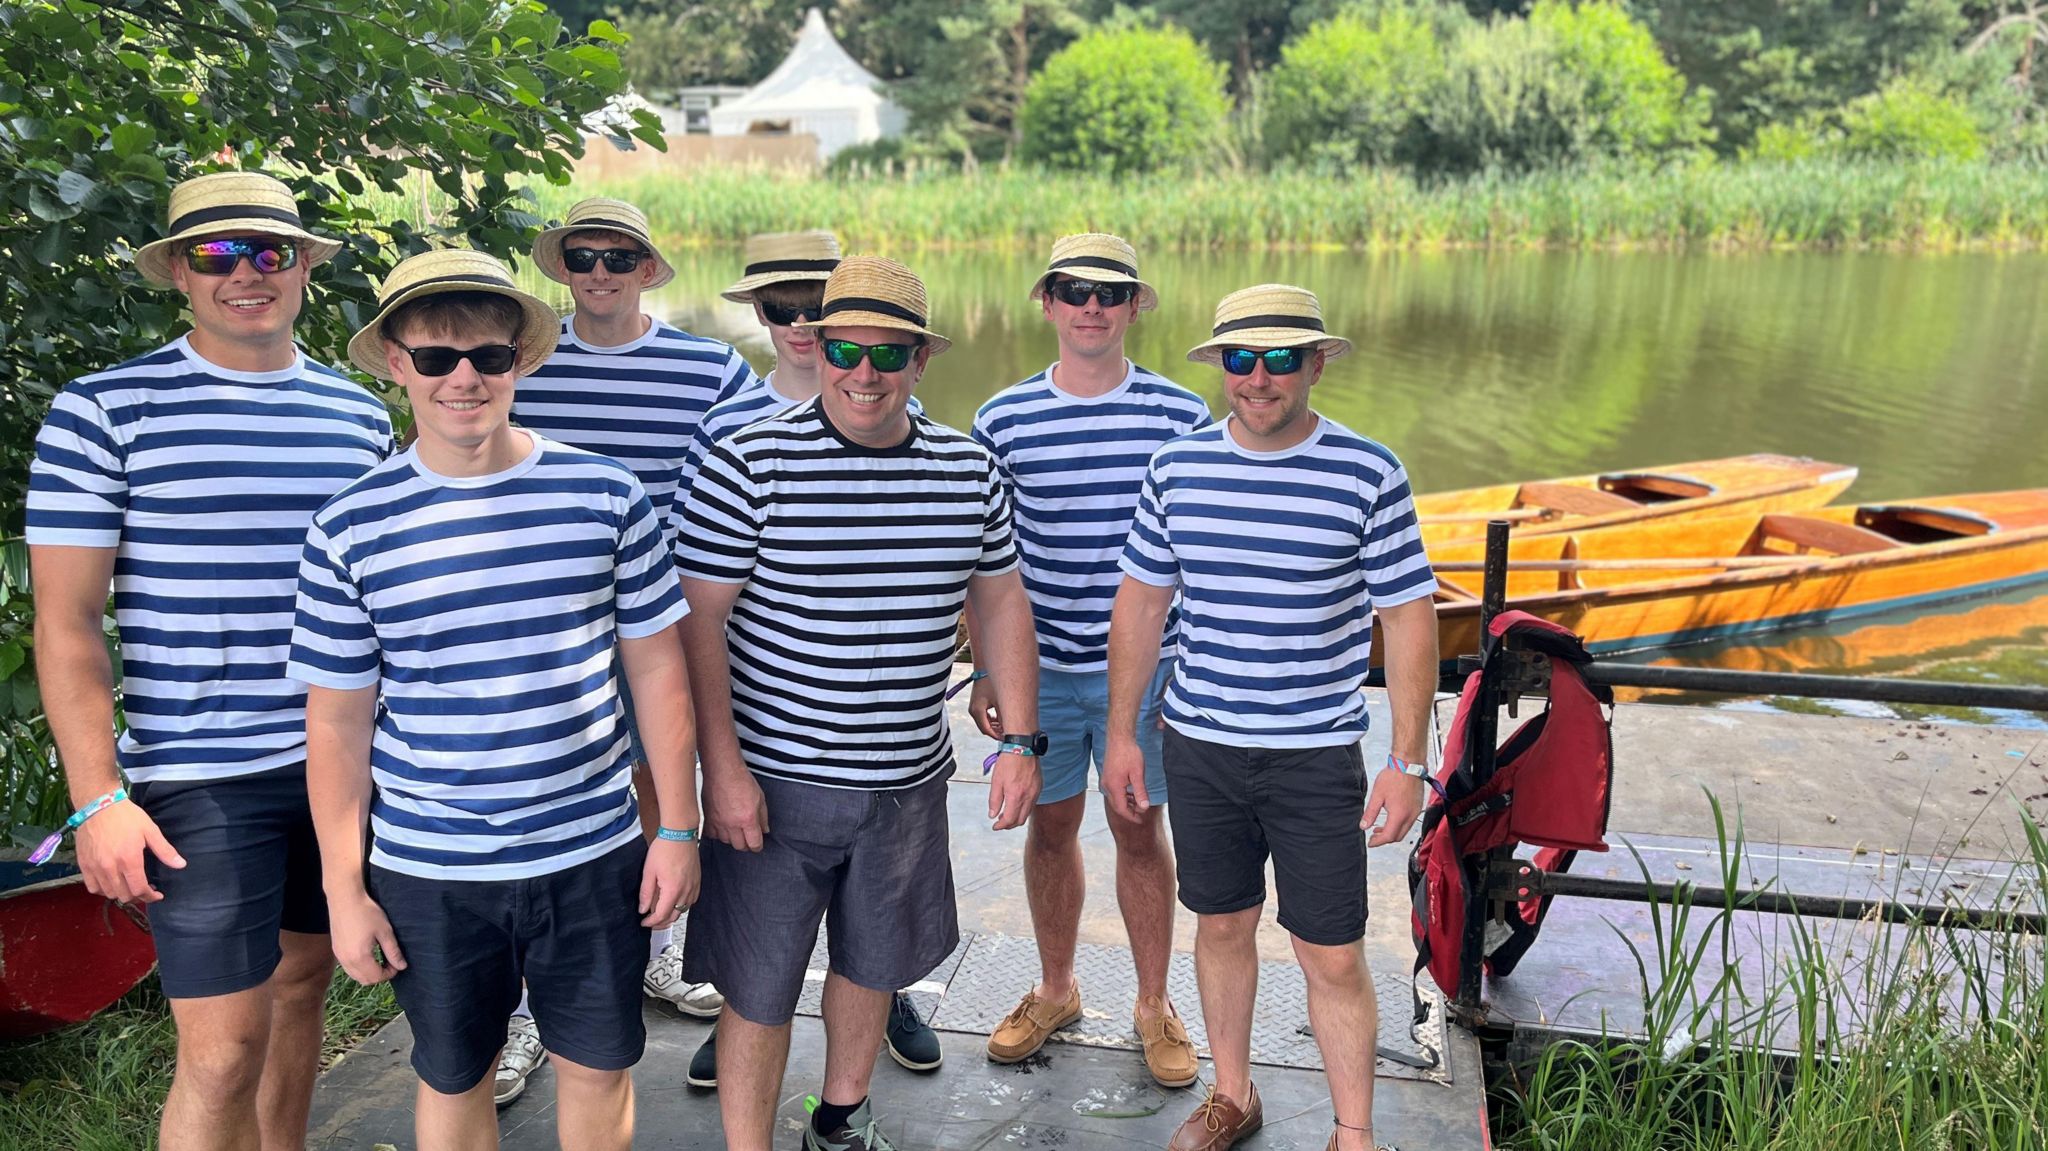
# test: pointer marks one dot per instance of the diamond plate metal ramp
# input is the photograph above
(998, 969)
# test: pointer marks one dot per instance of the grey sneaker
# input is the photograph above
(860, 1133)
(521, 1055)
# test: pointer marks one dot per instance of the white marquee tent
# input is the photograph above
(817, 88)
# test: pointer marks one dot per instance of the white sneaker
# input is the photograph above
(521, 1055)
(664, 981)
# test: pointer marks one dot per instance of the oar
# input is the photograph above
(1637, 565)
(1511, 515)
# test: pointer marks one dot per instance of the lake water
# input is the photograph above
(1930, 374)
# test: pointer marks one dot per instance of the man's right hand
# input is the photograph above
(1123, 778)
(364, 943)
(735, 812)
(110, 847)
(981, 704)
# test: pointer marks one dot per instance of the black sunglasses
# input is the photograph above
(219, 257)
(783, 316)
(1076, 293)
(489, 359)
(1279, 361)
(845, 355)
(618, 261)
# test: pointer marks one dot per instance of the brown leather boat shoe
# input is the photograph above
(1218, 1123)
(1169, 1053)
(1024, 1030)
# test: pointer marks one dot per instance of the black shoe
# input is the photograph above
(912, 1042)
(703, 1070)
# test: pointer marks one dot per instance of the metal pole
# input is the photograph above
(1918, 691)
(1484, 740)
(1786, 903)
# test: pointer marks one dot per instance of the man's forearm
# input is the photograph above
(77, 681)
(710, 683)
(661, 689)
(338, 787)
(1003, 622)
(1411, 675)
(1136, 625)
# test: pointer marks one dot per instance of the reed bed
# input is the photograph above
(1924, 1039)
(1705, 206)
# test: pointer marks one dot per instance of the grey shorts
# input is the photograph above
(879, 862)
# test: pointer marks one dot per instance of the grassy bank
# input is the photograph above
(100, 1087)
(1821, 204)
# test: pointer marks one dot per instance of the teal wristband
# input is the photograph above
(677, 834)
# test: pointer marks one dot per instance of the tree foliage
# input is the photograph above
(103, 108)
(1129, 100)
(729, 42)
(1356, 88)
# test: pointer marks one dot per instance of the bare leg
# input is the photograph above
(1055, 887)
(1227, 971)
(222, 1043)
(1344, 1013)
(594, 1109)
(465, 1122)
(855, 1018)
(751, 1059)
(1144, 894)
(298, 1020)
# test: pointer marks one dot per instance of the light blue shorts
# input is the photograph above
(1073, 708)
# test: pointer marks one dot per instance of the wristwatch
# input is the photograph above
(1033, 744)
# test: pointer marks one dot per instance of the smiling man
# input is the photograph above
(1072, 443)
(1284, 533)
(460, 612)
(828, 553)
(185, 480)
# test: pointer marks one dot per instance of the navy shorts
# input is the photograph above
(879, 861)
(1235, 806)
(252, 869)
(574, 936)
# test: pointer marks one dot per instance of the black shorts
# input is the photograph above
(573, 936)
(252, 869)
(1234, 806)
(879, 861)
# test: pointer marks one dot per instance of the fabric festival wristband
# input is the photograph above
(48, 847)
(677, 834)
(989, 764)
(1407, 766)
(955, 689)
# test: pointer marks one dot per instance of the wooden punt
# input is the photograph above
(1754, 484)
(1647, 586)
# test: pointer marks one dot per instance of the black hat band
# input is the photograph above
(1238, 325)
(204, 216)
(866, 304)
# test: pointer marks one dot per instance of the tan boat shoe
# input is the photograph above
(1218, 1123)
(1169, 1053)
(1024, 1030)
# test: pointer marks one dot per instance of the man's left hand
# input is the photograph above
(1013, 792)
(668, 882)
(1399, 798)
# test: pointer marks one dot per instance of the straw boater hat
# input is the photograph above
(1100, 257)
(455, 270)
(1268, 316)
(598, 214)
(871, 292)
(781, 258)
(225, 203)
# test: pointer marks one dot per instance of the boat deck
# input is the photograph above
(1829, 806)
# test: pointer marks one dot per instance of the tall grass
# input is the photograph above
(1931, 1038)
(101, 1087)
(1830, 204)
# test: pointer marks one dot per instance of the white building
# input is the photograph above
(818, 89)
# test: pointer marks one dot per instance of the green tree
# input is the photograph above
(104, 107)
(1909, 119)
(1354, 89)
(1245, 34)
(1130, 100)
(672, 46)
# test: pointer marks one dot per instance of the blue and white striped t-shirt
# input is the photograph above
(1281, 558)
(1074, 465)
(203, 480)
(488, 609)
(639, 402)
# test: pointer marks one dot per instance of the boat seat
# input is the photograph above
(1573, 500)
(1655, 487)
(1803, 534)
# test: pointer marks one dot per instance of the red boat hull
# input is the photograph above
(65, 955)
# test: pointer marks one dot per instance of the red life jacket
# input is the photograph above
(1551, 787)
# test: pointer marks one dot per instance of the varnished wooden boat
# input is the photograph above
(1740, 484)
(1646, 586)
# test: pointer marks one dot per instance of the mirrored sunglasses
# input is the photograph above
(219, 257)
(618, 261)
(489, 359)
(846, 355)
(1278, 361)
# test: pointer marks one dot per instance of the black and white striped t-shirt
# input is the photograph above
(856, 563)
